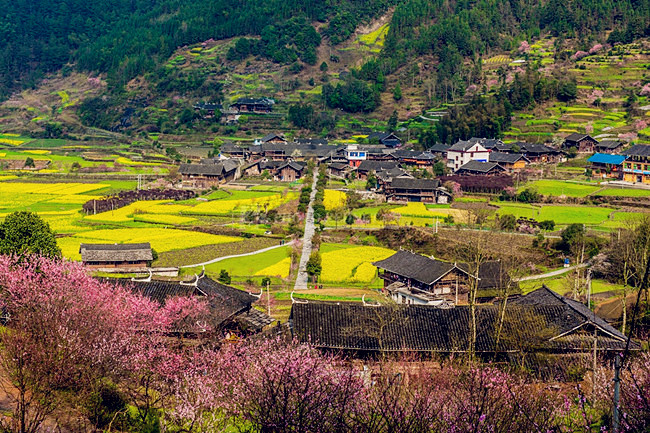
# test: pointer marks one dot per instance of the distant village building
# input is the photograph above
(417, 190)
(250, 105)
(290, 171)
(207, 109)
(537, 153)
(210, 173)
(581, 142)
(366, 167)
(609, 146)
(480, 168)
(511, 162)
(388, 139)
(126, 257)
(271, 138)
(606, 166)
(636, 167)
(465, 151)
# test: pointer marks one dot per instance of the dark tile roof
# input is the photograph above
(115, 252)
(295, 165)
(230, 147)
(461, 145)
(271, 136)
(439, 148)
(338, 166)
(314, 141)
(480, 167)
(545, 296)
(609, 144)
(534, 148)
(254, 319)
(423, 184)
(354, 326)
(225, 301)
(509, 158)
(261, 101)
(415, 266)
(212, 169)
(371, 165)
(576, 137)
(638, 150)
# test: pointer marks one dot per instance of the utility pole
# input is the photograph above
(268, 297)
(617, 393)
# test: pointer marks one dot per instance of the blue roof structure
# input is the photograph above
(605, 158)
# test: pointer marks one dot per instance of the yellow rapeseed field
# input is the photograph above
(163, 218)
(342, 265)
(161, 239)
(334, 199)
(225, 207)
(280, 269)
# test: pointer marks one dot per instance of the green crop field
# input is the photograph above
(562, 215)
(624, 192)
(270, 261)
(559, 188)
(562, 286)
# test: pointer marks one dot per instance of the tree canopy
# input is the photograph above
(25, 233)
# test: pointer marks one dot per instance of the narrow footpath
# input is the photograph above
(553, 273)
(252, 253)
(301, 281)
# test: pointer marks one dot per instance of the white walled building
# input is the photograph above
(465, 151)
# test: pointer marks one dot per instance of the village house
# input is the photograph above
(231, 311)
(125, 257)
(270, 138)
(636, 167)
(609, 146)
(411, 278)
(366, 167)
(559, 327)
(250, 105)
(416, 159)
(488, 143)
(207, 110)
(439, 150)
(232, 150)
(338, 169)
(538, 153)
(417, 190)
(511, 162)
(581, 142)
(209, 174)
(480, 168)
(606, 166)
(290, 171)
(386, 177)
(388, 139)
(465, 151)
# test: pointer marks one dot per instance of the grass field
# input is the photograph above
(562, 215)
(253, 265)
(562, 286)
(624, 192)
(559, 188)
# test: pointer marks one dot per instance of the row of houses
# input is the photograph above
(632, 165)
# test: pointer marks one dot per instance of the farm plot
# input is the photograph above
(624, 192)
(559, 188)
(351, 265)
(562, 215)
(334, 199)
(253, 265)
(226, 207)
(161, 239)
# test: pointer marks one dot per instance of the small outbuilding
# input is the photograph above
(130, 257)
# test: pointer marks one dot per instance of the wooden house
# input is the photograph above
(558, 328)
(250, 105)
(338, 169)
(387, 139)
(126, 257)
(209, 174)
(511, 162)
(207, 110)
(636, 167)
(231, 310)
(537, 153)
(232, 150)
(607, 166)
(366, 167)
(290, 171)
(417, 190)
(609, 146)
(411, 278)
(581, 142)
(480, 168)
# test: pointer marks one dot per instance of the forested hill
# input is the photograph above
(125, 38)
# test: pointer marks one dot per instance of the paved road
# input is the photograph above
(218, 259)
(301, 281)
(552, 273)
